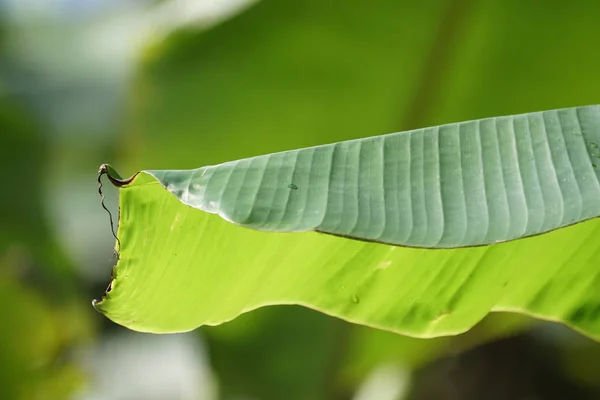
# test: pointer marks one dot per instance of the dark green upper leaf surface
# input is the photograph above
(465, 184)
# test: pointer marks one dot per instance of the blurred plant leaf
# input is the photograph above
(292, 351)
(33, 341)
(23, 148)
(45, 319)
(368, 348)
(345, 70)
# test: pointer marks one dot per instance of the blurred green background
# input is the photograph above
(147, 84)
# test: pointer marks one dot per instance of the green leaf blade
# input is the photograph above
(181, 268)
